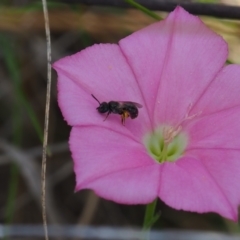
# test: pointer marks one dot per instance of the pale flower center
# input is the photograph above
(167, 143)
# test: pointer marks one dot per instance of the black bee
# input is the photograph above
(125, 109)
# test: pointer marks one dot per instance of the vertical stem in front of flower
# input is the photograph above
(150, 217)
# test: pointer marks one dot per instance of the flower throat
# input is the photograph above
(167, 143)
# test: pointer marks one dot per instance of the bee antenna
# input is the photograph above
(95, 99)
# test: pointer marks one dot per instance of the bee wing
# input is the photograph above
(128, 103)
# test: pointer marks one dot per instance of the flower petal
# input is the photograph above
(224, 166)
(223, 92)
(103, 71)
(174, 61)
(217, 130)
(118, 168)
(130, 186)
(188, 185)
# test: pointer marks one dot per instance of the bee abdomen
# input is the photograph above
(133, 111)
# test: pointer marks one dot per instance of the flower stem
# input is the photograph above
(150, 218)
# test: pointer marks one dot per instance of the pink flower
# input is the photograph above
(184, 147)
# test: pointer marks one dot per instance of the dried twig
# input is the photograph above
(89, 209)
(45, 137)
(31, 172)
(37, 152)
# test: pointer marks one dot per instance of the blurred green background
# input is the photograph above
(23, 71)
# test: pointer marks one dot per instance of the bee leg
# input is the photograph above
(123, 119)
(107, 115)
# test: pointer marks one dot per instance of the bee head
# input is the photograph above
(103, 107)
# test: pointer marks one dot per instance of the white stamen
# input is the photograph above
(169, 133)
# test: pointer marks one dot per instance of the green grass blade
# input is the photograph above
(143, 9)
